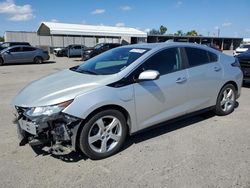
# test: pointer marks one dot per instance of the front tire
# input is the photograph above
(226, 100)
(103, 134)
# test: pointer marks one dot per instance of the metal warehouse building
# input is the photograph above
(61, 35)
(52, 35)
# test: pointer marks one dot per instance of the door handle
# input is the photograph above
(181, 80)
(217, 69)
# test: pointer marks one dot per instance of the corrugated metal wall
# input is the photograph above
(54, 41)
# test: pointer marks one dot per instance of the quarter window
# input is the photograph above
(164, 62)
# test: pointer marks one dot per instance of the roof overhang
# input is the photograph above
(51, 28)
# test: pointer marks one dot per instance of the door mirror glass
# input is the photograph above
(149, 75)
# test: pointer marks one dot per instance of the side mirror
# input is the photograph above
(8, 52)
(149, 75)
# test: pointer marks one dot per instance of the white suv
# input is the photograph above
(242, 48)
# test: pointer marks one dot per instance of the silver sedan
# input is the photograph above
(95, 105)
(23, 54)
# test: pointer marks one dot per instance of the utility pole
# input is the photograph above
(218, 32)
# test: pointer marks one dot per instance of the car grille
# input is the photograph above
(244, 62)
(245, 66)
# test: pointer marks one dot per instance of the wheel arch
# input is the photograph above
(233, 83)
(99, 109)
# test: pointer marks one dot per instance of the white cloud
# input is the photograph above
(126, 8)
(178, 4)
(98, 11)
(120, 24)
(216, 27)
(226, 24)
(16, 12)
(54, 20)
(147, 30)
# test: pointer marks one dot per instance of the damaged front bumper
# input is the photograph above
(59, 128)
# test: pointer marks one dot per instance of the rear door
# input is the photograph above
(204, 78)
(165, 98)
(29, 54)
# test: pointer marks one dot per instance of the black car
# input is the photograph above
(244, 60)
(98, 49)
(9, 44)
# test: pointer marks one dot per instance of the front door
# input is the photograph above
(165, 98)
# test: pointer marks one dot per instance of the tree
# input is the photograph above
(192, 33)
(163, 29)
(1, 39)
(154, 32)
(179, 33)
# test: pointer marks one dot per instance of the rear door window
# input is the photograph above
(197, 56)
(28, 49)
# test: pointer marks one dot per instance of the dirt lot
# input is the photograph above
(202, 151)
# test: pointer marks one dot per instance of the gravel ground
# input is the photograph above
(202, 151)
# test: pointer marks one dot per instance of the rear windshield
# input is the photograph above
(110, 62)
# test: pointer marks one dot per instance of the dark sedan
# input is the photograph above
(98, 49)
(244, 60)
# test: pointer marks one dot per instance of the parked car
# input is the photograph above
(70, 50)
(9, 44)
(98, 49)
(244, 60)
(93, 106)
(241, 49)
(23, 54)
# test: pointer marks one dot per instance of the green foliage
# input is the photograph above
(163, 29)
(192, 33)
(1, 39)
(154, 32)
(179, 33)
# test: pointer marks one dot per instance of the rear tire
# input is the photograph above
(226, 100)
(103, 134)
(1, 62)
(38, 60)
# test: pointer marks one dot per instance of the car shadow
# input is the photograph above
(153, 132)
(25, 63)
(167, 127)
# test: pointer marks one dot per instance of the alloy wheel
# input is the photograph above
(105, 134)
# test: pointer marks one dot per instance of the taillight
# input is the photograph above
(236, 63)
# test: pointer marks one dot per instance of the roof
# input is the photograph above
(187, 36)
(51, 28)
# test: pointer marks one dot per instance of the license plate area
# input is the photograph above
(28, 126)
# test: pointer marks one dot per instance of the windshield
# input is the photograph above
(110, 62)
(245, 46)
(98, 46)
(5, 45)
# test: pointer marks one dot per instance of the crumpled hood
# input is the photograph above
(59, 87)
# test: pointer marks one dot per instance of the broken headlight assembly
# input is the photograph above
(47, 110)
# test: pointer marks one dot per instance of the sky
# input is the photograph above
(230, 17)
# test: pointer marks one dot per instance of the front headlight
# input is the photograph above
(48, 110)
